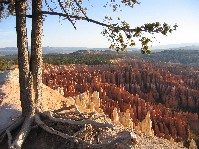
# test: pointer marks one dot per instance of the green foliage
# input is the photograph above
(122, 36)
(7, 62)
(1, 64)
(186, 57)
(7, 8)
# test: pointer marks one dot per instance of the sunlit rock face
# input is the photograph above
(192, 144)
(115, 117)
(91, 102)
(88, 102)
(123, 118)
(146, 125)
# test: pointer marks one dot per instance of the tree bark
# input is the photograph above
(36, 51)
(23, 61)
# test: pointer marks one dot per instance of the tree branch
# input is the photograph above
(74, 17)
(81, 8)
(66, 14)
(141, 29)
(96, 22)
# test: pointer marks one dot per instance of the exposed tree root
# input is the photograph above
(89, 115)
(65, 108)
(69, 121)
(78, 132)
(69, 108)
(13, 126)
(25, 129)
(120, 139)
(80, 116)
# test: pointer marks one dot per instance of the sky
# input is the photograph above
(60, 33)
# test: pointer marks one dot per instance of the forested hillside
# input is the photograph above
(186, 57)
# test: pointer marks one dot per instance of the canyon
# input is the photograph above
(157, 99)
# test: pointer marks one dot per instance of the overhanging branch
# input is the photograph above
(92, 21)
(113, 27)
(66, 14)
(74, 17)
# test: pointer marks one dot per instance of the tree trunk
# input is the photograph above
(23, 62)
(36, 51)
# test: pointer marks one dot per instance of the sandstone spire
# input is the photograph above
(192, 144)
(146, 125)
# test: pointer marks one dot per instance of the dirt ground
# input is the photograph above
(10, 107)
(10, 110)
